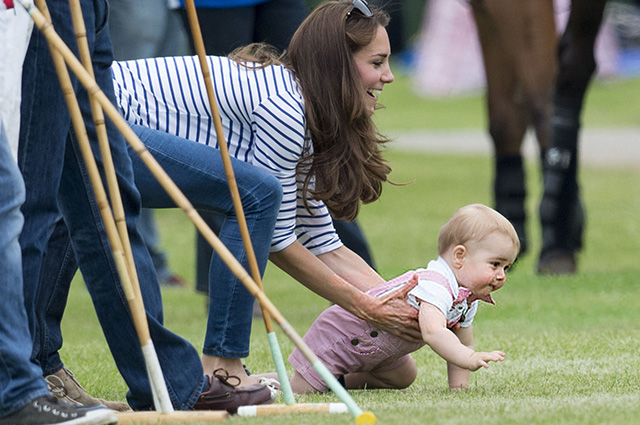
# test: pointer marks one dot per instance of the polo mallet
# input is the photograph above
(276, 353)
(280, 409)
(101, 130)
(361, 417)
(158, 386)
(160, 395)
(291, 406)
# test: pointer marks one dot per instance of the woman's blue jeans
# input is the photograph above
(198, 172)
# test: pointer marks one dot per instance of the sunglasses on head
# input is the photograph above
(362, 6)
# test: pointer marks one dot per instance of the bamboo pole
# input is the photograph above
(159, 390)
(276, 352)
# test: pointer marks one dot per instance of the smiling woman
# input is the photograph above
(305, 118)
(373, 66)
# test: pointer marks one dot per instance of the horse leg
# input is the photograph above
(513, 66)
(561, 210)
(536, 66)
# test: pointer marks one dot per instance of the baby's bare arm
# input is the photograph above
(456, 349)
(459, 377)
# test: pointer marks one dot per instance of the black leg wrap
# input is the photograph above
(561, 212)
(509, 193)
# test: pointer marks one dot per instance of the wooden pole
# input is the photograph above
(160, 394)
(276, 353)
(177, 417)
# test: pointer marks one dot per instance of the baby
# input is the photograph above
(476, 247)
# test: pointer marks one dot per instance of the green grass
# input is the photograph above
(609, 103)
(571, 342)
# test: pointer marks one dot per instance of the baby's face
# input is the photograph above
(486, 263)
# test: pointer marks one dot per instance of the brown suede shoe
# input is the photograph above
(64, 385)
(223, 395)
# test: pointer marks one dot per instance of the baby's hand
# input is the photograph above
(479, 359)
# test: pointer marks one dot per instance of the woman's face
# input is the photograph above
(373, 65)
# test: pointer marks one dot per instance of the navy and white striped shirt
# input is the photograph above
(262, 115)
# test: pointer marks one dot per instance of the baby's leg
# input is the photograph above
(396, 379)
(299, 385)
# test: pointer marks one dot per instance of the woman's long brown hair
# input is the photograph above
(344, 161)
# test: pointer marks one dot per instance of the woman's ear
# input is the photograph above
(458, 254)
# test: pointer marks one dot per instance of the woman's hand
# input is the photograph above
(391, 313)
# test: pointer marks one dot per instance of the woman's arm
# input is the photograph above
(352, 268)
(328, 278)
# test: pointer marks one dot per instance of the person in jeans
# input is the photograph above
(24, 397)
(56, 183)
(227, 25)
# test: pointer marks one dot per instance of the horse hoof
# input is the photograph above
(557, 263)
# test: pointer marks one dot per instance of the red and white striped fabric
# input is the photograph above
(6, 4)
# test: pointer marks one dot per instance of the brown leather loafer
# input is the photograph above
(223, 395)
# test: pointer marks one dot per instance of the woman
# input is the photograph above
(308, 123)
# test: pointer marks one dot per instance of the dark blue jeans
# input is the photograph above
(225, 29)
(199, 173)
(56, 182)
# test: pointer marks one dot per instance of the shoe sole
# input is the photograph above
(96, 417)
(234, 410)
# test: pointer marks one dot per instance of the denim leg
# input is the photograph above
(148, 229)
(20, 379)
(44, 127)
(45, 144)
(199, 173)
(59, 266)
(204, 251)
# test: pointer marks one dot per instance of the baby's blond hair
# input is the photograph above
(472, 223)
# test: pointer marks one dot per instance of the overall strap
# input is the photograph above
(438, 278)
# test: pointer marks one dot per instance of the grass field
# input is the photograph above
(609, 103)
(571, 342)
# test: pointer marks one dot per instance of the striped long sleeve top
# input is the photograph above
(262, 115)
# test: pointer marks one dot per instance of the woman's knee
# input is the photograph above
(267, 191)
